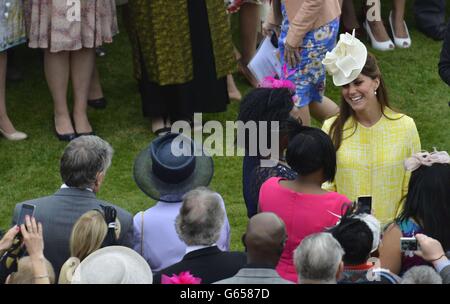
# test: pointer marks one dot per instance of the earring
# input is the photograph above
(375, 92)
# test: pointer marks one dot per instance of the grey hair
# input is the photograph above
(421, 275)
(318, 258)
(83, 158)
(201, 217)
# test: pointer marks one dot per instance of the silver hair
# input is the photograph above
(83, 158)
(201, 217)
(421, 275)
(318, 258)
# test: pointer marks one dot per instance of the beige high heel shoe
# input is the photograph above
(14, 136)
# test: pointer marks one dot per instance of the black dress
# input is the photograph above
(253, 176)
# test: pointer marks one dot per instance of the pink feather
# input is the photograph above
(183, 278)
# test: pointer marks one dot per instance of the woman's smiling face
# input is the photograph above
(360, 93)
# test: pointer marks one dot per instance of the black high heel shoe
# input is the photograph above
(99, 103)
(63, 137)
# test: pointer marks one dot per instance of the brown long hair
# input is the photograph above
(371, 70)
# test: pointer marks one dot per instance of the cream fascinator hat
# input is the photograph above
(374, 226)
(346, 61)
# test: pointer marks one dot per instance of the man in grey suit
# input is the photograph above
(83, 167)
(264, 241)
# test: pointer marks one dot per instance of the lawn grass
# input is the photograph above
(30, 169)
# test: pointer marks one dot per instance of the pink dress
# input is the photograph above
(61, 25)
(303, 214)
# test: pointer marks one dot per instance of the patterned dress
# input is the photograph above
(70, 25)
(309, 74)
(12, 30)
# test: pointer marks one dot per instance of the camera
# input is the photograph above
(408, 244)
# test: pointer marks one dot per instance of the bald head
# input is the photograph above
(265, 238)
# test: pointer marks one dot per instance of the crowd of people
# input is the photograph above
(305, 225)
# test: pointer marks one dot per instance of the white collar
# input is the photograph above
(64, 186)
(193, 248)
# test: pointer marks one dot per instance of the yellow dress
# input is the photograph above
(370, 162)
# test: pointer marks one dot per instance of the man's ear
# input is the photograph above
(340, 271)
(98, 181)
(100, 177)
(243, 241)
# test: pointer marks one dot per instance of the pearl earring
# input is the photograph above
(375, 92)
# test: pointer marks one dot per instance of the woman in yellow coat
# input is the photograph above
(371, 139)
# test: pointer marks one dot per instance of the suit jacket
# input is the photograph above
(59, 212)
(445, 274)
(304, 16)
(159, 224)
(209, 264)
(255, 276)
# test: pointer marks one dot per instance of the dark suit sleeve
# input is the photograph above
(445, 274)
(444, 62)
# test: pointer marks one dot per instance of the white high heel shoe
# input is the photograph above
(381, 46)
(400, 42)
(14, 136)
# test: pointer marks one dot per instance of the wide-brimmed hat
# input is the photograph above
(113, 265)
(346, 61)
(171, 166)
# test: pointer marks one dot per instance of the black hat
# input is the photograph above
(164, 173)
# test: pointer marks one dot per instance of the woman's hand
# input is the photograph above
(291, 55)
(33, 238)
(268, 29)
(430, 249)
(7, 240)
(34, 242)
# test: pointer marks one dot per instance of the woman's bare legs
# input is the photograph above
(233, 91)
(81, 68)
(56, 68)
(323, 110)
(5, 124)
(319, 110)
(248, 21)
(377, 26)
(303, 114)
(349, 19)
(95, 88)
(398, 15)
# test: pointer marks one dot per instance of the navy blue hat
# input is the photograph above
(163, 173)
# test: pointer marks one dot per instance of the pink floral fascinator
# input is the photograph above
(270, 82)
(183, 278)
(426, 159)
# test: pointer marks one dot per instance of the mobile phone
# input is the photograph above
(408, 244)
(274, 40)
(364, 204)
(27, 209)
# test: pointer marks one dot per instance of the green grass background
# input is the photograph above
(30, 168)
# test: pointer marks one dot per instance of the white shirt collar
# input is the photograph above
(64, 186)
(193, 248)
